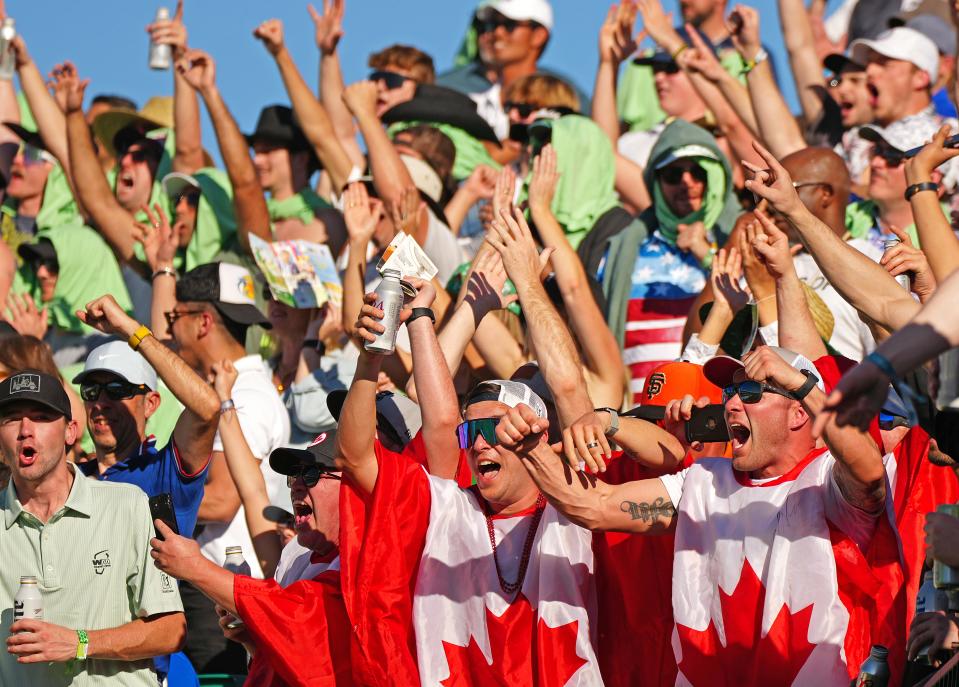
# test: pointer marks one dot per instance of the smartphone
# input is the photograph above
(707, 424)
(951, 142)
(161, 508)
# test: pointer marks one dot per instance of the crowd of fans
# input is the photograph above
(673, 394)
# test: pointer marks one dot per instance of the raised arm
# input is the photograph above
(806, 67)
(159, 248)
(361, 214)
(93, 191)
(390, 176)
(797, 331)
(553, 346)
(935, 234)
(600, 350)
(859, 470)
(246, 474)
(434, 383)
(329, 31)
(862, 282)
(702, 64)
(199, 71)
(310, 114)
(777, 126)
(51, 123)
(630, 185)
(615, 45)
(196, 425)
(641, 507)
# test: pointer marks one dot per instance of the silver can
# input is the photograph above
(28, 603)
(237, 565)
(902, 279)
(390, 296)
(161, 56)
(944, 576)
(8, 60)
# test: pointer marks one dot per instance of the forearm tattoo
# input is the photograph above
(649, 512)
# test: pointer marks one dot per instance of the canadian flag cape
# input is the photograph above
(769, 584)
(425, 599)
(302, 632)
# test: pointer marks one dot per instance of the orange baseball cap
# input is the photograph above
(674, 380)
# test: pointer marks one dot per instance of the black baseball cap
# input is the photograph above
(321, 452)
(40, 252)
(33, 386)
(228, 287)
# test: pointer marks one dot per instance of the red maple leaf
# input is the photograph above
(526, 652)
(746, 659)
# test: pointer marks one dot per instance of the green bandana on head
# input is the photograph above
(470, 151)
(713, 199)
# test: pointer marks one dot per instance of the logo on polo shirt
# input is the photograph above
(166, 584)
(101, 561)
(25, 382)
(319, 440)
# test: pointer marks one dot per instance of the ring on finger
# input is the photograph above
(593, 444)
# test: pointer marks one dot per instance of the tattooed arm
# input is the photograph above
(643, 506)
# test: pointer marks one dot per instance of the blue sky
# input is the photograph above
(107, 41)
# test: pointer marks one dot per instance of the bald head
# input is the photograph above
(823, 183)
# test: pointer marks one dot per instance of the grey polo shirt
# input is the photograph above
(92, 561)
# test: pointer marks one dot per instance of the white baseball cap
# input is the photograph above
(119, 359)
(175, 183)
(539, 11)
(510, 392)
(900, 43)
(425, 178)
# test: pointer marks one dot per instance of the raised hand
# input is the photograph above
(905, 258)
(198, 69)
(659, 25)
(510, 236)
(407, 212)
(425, 295)
(616, 42)
(361, 97)
(481, 183)
(504, 191)
(920, 167)
(105, 315)
(68, 88)
(743, 25)
(824, 46)
(692, 238)
(157, 237)
(170, 32)
(483, 290)
(23, 315)
(223, 378)
(770, 245)
(773, 183)
(271, 33)
(360, 212)
(585, 441)
(726, 270)
(699, 58)
(856, 400)
(329, 25)
(542, 187)
(521, 429)
(764, 365)
(677, 414)
(368, 323)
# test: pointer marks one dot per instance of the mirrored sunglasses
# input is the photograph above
(485, 427)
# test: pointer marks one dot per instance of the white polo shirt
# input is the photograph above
(266, 426)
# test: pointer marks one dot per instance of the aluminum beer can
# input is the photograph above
(28, 603)
(161, 55)
(237, 565)
(944, 576)
(390, 301)
(902, 279)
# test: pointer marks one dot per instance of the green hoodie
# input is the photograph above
(88, 270)
(587, 166)
(719, 213)
(302, 205)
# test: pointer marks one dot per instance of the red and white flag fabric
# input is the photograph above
(780, 581)
(438, 567)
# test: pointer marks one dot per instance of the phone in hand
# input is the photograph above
(707, 424)
(161, 508)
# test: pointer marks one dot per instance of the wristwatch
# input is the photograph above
(613, 420)
(803, 391)
(83, 644)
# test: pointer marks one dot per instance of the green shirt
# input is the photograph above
(92, 562)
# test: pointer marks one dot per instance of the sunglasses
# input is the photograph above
(665, 68)
(116, 391)
(493, 23)
(34, 156)
(674, 175)
(311, 475)
(138, 155)
(171, 316)
(192, 197)
(481, 427)
(524, 110)
(750, 391)
(892, 157)
(391, 80)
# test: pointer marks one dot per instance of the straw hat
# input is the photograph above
(156, 114)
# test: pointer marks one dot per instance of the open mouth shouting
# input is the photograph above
(28, 456)
(302, 515)
(739, 434)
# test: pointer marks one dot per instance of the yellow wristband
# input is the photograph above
(139, 335)
(679, 51)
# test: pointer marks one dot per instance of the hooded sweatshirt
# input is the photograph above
(645, 276)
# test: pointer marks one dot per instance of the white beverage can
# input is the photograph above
(8, 60)
(390, 300)
(161, 55)
(237, 565)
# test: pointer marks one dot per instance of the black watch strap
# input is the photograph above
(421, 312)
(803, 391)
(613, 420)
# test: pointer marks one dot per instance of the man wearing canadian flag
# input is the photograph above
(786, 567)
